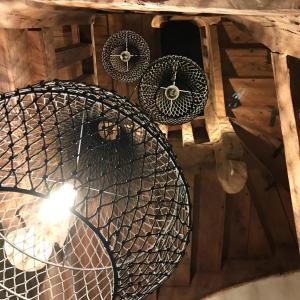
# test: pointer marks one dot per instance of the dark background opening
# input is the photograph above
(181, 38)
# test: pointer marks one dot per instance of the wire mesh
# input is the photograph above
(125, 56)
(128, 222)
(173, 90)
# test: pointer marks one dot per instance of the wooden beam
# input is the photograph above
(71, 54)
(95, 69)
(187, 134)
(14, 63)
(274, 32)
(289, 131)
(164, 129)
(26, 14)
(42, 54)
(193, 6)
(210, 225)
(215, 70)
(231, 170)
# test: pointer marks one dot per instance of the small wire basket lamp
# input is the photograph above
(92, 202)
(125, 56)
(173, 90)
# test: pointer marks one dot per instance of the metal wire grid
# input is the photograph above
(131, 216)
(186, 76)
(130, 68)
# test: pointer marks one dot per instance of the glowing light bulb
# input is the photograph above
(29, 248)
(34, 251)
(56, 208)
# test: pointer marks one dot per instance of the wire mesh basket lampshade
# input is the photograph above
(125, 56)
(173, 90)
(92, 202)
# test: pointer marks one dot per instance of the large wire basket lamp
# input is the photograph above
(125, 56)
(92, 202)
(173, 90)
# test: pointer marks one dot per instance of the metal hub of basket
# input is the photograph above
(173, 90)
(125, 56)
(92, 202)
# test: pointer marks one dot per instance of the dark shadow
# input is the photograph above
(181, 38)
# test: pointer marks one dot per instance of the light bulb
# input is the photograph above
(56, 208)
(31, 242)
(48, 225)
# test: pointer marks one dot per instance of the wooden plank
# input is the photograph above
(211, 199)
(289, 132)
(69, 55)
(257, 98)
(101, 35)
(63, 36)
(182, 274)
(94, 52)
(42, 54)
(274, 32)
(14, 62)
(187, 134)
(264, 154)
(252, 92)
(70, 72)
(250, 62)
(75, 34)
(268, 205)
(193, 7)
(258, 245)
(215, 70)
(24, 14)
(231, 170)
(164, 129)
(238, 208)
(230, 34)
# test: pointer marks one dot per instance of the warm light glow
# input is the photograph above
(56, 208)
(49, 226)
(31, 242)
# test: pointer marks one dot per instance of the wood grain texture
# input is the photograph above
(187, 134)
(185, 6)
(276, 33)
(14, 62)
(71, 54)
(42, 54)
(26, 14)
(289, 132)
(211, 199)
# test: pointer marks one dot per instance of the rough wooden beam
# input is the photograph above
(215, 70)
(275, 32)
(231, 170)
(42, 54)
(69, 55)
(289, 132)
(187, 134)
(27, 14)
(184, 6)
(164, 129)
(210, 224)
(14, 64)
(95, 71)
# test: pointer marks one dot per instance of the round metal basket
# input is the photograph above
(125, 56)
(173, 90)
(92, 202)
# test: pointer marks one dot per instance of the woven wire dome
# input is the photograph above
(125, 56)
(173, 90)
(92, 202)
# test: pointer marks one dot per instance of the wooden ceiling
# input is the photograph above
(236, 236)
